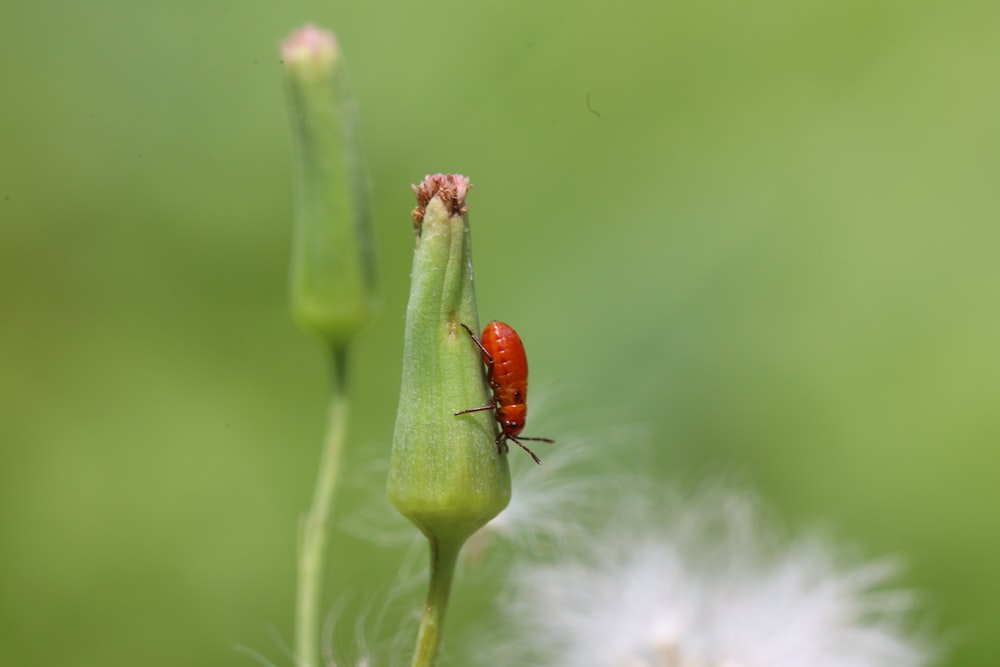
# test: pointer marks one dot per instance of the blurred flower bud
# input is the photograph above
(333, 256)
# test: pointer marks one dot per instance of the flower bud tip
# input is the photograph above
(309, 43)
(451, 189)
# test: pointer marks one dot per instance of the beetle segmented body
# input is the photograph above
(507, 373)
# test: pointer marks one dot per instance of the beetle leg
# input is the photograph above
(501, 443)
(486, 355)
(479, 409)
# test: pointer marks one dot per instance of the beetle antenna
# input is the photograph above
(525, 447)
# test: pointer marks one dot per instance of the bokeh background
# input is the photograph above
(765, 234)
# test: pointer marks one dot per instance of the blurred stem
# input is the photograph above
(316, 523)
(443, 557)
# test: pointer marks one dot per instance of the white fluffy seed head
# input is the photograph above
(706, 583)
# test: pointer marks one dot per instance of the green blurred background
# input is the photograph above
(770, 241)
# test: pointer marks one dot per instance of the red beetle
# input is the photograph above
(507, 373)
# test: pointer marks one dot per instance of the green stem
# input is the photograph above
(315, 526)
(443, 558)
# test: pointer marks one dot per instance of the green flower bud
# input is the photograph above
(445, 474)
(333, 257)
